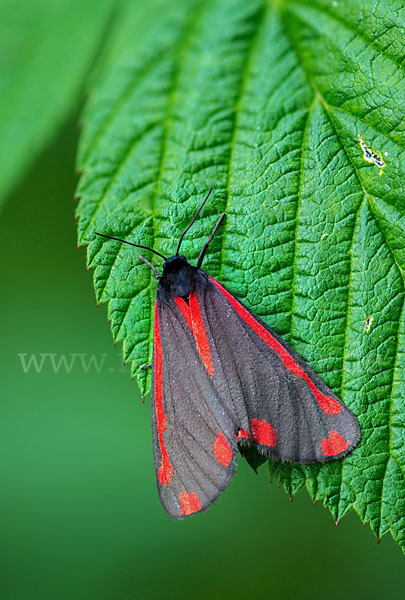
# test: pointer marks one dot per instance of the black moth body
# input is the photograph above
(222, 380)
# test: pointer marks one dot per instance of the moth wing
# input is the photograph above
(291, 413)
(194, 445)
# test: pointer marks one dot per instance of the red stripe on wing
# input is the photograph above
(185, 311)
(165, 471)
(330, 406)
(192, 314)
(200, 334)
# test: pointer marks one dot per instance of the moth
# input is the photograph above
(223, 381)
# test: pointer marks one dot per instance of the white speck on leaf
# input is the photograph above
(367, 323)
(369, 155)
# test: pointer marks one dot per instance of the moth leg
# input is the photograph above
(155, 273)
(146, 366)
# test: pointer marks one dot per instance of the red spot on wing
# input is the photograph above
(222, 450)
(200, 334)
(185, 311)
(189, 503)
(165, 471)
(330, 406)
(242, 433)
(263, 433)
(334, 444)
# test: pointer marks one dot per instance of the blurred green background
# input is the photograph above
(80, 515)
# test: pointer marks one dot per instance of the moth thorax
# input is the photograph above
(178, 277)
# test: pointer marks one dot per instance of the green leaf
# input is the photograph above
(266, 103)
(46, 48)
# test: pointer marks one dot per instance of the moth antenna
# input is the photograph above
(195, 216)
(207, 243)
(110, 237)
(157, 276)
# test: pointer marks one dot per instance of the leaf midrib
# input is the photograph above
(235, 126)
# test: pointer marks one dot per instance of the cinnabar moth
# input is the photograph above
(222, 379)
